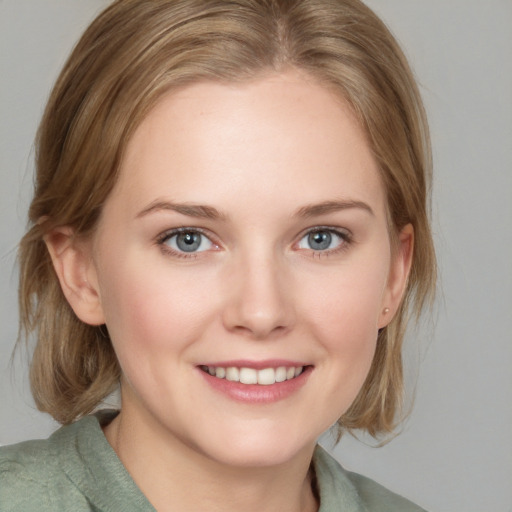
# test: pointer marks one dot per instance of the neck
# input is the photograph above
(173, 475)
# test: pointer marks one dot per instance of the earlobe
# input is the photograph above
(74, 267)
(398, 275)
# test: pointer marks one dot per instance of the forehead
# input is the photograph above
(283, 133)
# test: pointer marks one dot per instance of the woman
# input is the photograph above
(230, 223)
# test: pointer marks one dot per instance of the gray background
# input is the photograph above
(455, 451)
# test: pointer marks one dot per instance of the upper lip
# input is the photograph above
(257, 365)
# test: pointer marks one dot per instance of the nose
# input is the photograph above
(260, 303)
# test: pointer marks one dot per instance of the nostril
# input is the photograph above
(260, 331)
(257, 306)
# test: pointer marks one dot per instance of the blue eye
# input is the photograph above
(188, 241)
(322, 240)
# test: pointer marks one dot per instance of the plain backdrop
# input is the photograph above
(455, 452)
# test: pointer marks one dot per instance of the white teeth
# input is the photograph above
(281, 374)
(248, 376)
(264, 377)
(233, 374)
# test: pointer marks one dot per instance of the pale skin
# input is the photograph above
(259, 173)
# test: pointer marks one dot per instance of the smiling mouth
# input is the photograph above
(264, 376)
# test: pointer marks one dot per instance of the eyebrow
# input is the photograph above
(211, 213)
(190, 210)
(315, 210)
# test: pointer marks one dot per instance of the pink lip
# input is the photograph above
(254, 393)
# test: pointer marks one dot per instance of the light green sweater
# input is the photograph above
(76, 470)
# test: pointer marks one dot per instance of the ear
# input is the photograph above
(74, 266)
(398, 275)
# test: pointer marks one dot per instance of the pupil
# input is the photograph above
(320, 240)
(188, 242)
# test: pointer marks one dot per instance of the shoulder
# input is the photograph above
(74, 469)
(34, 474)
(378, 498)
(25, 470)
(338, 487)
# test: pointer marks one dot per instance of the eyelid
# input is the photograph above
(168, 233)
(342, 232)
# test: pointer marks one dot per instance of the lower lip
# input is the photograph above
(256, 393)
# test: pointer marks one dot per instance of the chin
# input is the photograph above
(259, 448)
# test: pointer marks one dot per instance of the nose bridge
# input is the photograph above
(260, 303)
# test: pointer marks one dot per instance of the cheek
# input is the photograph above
(348, 304)
(343, 317)
(348, 333)
(150, 312)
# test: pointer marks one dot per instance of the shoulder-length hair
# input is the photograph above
(138, 50)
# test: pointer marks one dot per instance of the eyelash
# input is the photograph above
(346, 239)
(344, 235)
(167, 235)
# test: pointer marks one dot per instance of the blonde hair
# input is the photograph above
(132, 54)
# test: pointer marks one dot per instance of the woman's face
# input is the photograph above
(246, 237)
